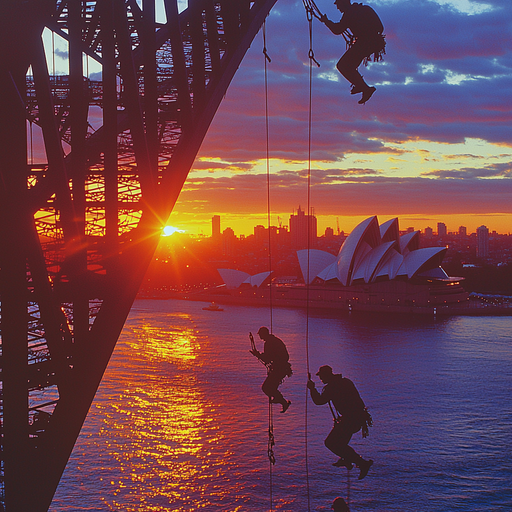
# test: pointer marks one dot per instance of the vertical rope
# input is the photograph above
(270, 450)
(271, 440)
(311, 56)
(267, 58)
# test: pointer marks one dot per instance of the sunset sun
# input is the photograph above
(170, 230)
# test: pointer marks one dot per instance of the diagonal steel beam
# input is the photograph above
(160, 89)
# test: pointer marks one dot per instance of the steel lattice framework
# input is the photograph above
(78, 230)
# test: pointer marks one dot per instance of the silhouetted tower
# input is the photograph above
(228, 242)
(299, 230)
(441, 229)
(482, 238)
(463, 231)
(79, 227)
(429, 232)
(216, 227)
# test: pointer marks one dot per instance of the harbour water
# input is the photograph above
(180, 422)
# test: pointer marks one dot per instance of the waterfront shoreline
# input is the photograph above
(474, 307)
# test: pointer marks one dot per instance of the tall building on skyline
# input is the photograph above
(260, 234)
(299, 230)
(216, 226)
(482, 237)
(463, 231)
(429, 232)
(441, 229)
(228, 242)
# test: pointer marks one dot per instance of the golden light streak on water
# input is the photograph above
(172, 345)
(164, 450)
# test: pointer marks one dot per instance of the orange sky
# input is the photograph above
(432, 145)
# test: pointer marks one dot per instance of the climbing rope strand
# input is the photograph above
(270, 451)
(309, 14)
(311, 55)
(271, 440)
(268, 59)
(312, 9)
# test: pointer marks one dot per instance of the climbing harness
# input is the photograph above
(312, 11)
(365, 425)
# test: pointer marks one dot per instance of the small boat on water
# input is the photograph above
(213, 307)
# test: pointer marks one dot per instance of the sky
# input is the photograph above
(434, 143)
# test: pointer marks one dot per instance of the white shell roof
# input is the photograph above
(371, 251)
(318, 260)
(389, 230)
(389, 265)
(363, 239)
(377, 256)
(232, 278)
(329, 272)
(257, 279)
(421, 259)
(409, 242)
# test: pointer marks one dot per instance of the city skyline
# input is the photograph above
(216, 228)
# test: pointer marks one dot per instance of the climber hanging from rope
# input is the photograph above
(362, 29)
(275, 358)
(350, 416)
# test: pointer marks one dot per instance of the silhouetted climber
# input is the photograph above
(275, 357)
(340, 505)
(351, 417)
(366, 39)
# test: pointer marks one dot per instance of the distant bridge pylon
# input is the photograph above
(92, 160)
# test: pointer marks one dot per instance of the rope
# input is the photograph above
(311, 11)
(271, 440)
(267, 58)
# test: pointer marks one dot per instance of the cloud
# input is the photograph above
(446, 77)
(470, 173)
(353, 192)
(213, 166)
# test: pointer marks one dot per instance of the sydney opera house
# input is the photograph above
(375, 269)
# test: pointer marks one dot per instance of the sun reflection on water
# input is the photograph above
(178, 346)
(162, 432)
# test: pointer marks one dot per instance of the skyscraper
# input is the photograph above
(482, 238)
(216, 226)
(299, 230)
(441, 229)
